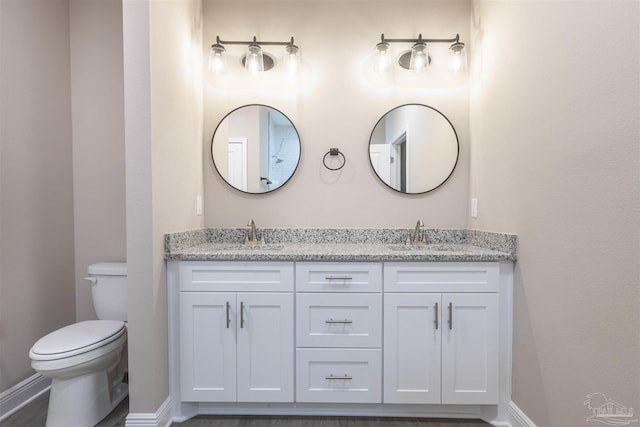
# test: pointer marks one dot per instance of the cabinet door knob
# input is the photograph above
(228, 317)
(450, 315)
(435, 308)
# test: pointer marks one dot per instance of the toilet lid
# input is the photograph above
(78, 338)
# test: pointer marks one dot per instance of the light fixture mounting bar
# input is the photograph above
(254, 41)
(456, 39)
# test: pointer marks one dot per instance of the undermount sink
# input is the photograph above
(249, 247)
(438, 247)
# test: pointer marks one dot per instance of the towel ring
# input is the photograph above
(333, 152)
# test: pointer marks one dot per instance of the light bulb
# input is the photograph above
(217, 59)
(292, 60)
(383, 58)
(458, 58)
(254, 61)
(419, 58)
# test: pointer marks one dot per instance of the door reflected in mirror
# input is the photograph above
(413, 149)
(255, 149)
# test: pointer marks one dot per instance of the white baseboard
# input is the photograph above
(22, 394)
(26, 391)
(518, 418)
(160, 418)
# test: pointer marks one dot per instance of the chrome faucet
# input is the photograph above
(419, 235)
(251, 235)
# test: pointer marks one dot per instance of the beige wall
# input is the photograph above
(36, 208)
(555, 159)
(551, 142)
(97, 100)
(163, 132)
(335, 103)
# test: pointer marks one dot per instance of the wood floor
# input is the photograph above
(34, 415)
(209, 421)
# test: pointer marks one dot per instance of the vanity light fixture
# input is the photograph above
(458, 55)
(418, 58)
(383, 57)
(255, 59)
(217, 59)
(292, 58)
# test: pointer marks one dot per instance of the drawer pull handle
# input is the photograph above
(435, 307)
(343, 377)
(450, 315)
(228, 317)
(338, 321)
(338, 278)
(241, 315)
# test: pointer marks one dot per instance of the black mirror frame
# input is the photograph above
(453, 168)
(214, 161)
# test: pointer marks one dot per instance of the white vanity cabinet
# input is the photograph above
(441, 328)
(339, 332)
(373, 338)
(236, 346)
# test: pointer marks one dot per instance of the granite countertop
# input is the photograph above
(305, 244)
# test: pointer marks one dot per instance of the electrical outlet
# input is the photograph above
(474, 208)
(199, 205)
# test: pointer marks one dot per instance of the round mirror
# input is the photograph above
(255, 149)
(413, 148)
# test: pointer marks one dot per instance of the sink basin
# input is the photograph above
(240, 247)
(437, 247)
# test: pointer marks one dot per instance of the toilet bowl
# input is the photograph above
(86, 361)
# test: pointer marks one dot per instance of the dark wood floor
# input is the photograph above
(257, 421)
(34, 415)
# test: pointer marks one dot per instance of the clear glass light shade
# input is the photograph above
(217, 59)
(458, 58)
(291, 60)
(383, 58)
(254, 60)
(419, 61)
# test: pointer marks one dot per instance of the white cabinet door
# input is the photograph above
(207, 347)
(236, 347)
(451, 360)
(412, 326)
(470, 356)
(265, 347)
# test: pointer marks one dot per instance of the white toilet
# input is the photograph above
(86, 361)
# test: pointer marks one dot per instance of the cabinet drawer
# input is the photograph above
(441, 277)
(339, 375)
(236, 276)
(338, 277)
(339, 320)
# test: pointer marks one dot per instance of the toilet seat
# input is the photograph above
(77, 339)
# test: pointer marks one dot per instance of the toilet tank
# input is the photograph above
(109, 289)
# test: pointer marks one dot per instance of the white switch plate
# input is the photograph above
(199, 205)
(474, 208)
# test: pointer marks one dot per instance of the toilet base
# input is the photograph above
(75, 403)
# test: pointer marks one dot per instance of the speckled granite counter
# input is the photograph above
(324, 244)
